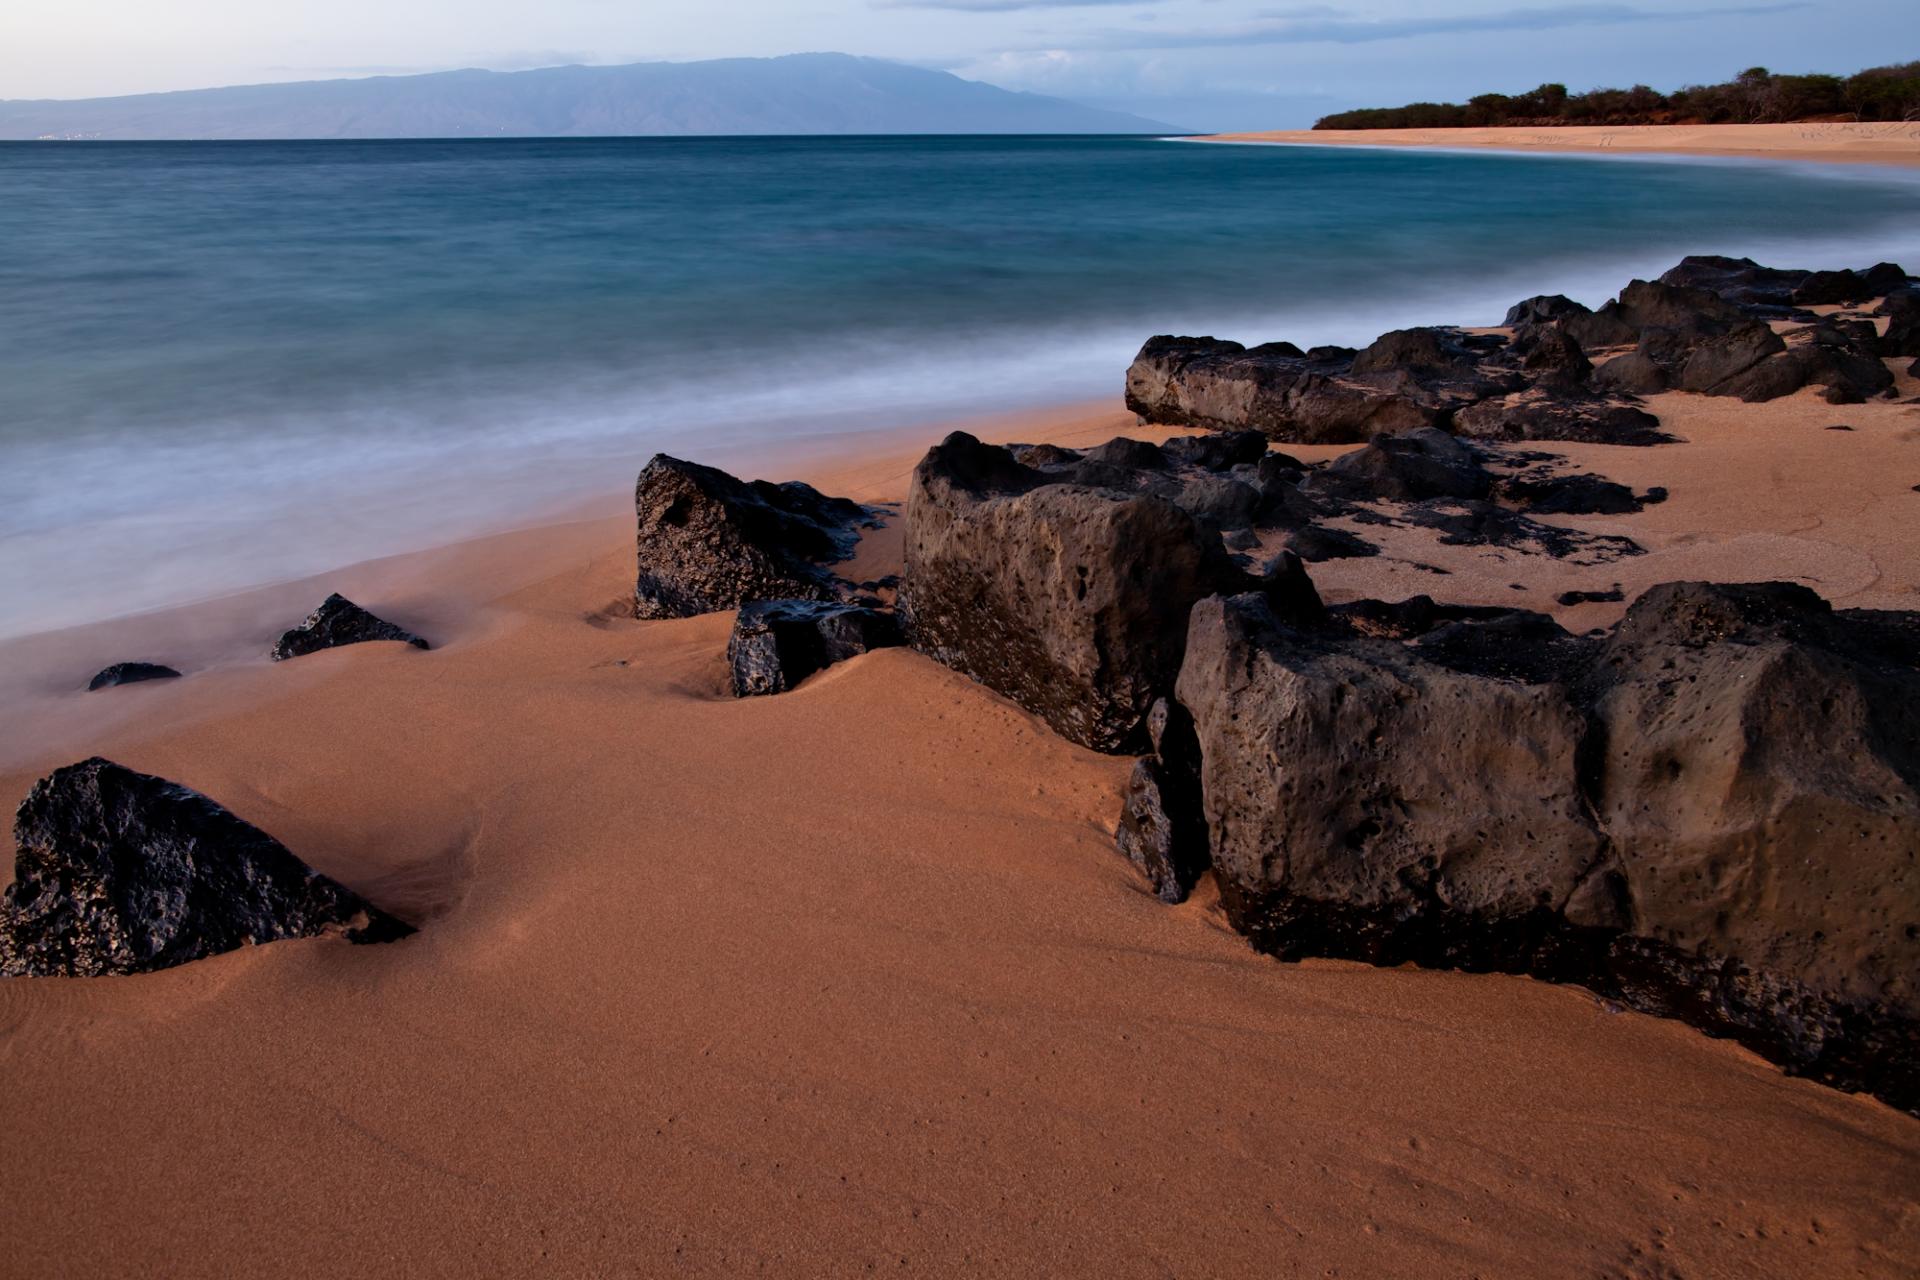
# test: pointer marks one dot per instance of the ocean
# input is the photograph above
(223, 364)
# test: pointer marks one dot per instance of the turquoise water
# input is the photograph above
(230, 363)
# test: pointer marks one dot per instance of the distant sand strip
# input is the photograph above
(1881, 143)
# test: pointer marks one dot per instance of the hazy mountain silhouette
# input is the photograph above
(813, 93)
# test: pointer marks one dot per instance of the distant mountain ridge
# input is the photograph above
(814, 93)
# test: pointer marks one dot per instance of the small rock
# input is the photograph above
(338, 621)
(131, 673)
(1613, 596)
(778, 643)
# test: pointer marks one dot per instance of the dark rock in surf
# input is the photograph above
(778, 643)
(339, 621)
(118, 872)
(708, 541)
(131, 673)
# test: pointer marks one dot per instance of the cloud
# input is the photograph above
(1321, 25)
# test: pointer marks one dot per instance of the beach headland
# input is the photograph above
(1878, 143)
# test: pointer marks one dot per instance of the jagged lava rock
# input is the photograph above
(1070, 600)
(1427, 463)
(120, 872)
(130, 673)
(338, 621)
(708, 541)
(778, 643)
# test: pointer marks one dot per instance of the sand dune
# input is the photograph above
(852, 979)
(1864, 143)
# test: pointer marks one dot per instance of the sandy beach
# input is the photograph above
(852, 979)
(1880, 143)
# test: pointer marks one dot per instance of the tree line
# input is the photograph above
(1755, 96)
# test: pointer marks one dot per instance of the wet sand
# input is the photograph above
(852, 979)
(1888, 143)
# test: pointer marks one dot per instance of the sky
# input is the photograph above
(1211, 64)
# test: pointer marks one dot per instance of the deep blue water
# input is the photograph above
(228, 363)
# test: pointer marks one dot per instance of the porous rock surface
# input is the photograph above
(338, 621)
(1712, 812)
(708, 541)
(778, 643)
(1068, 597)
(118, 872)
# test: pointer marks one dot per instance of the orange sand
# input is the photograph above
(851, 979)
(1867, 143)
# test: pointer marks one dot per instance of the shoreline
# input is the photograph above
(854, 975)
(1891, 144)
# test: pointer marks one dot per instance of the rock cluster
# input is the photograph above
(1062, 579)
(1705, 326)
(338, 621)
(708, 541)
(118, 872)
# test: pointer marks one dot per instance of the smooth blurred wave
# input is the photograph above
(231, 363)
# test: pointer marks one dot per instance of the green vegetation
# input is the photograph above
(1757, 96)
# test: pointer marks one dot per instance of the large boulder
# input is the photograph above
(1068, 599)
(120, 872)
(708, 541)
(1712, 813)
(338, 621)
(778, 643)
(1543, 309)
(1717, 360)
(1366, 802)
(1759, 779)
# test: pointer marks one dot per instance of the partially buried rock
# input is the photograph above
(339, 621)
(778, 643)
(131, 673)
(119, 872)
(708, 541)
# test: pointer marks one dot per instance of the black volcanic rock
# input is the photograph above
(1543, 309)
(119, 872)
(1717, 360)
(1711, 813)
(1420, 464)
(778, 643)
(1902, 337)
(1068, 599)
(1741, 281)
(1533, 415)
(338, 621)
(131, 673)
(1162, 828)
(707, 541)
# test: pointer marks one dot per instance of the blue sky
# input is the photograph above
(1197, 63)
